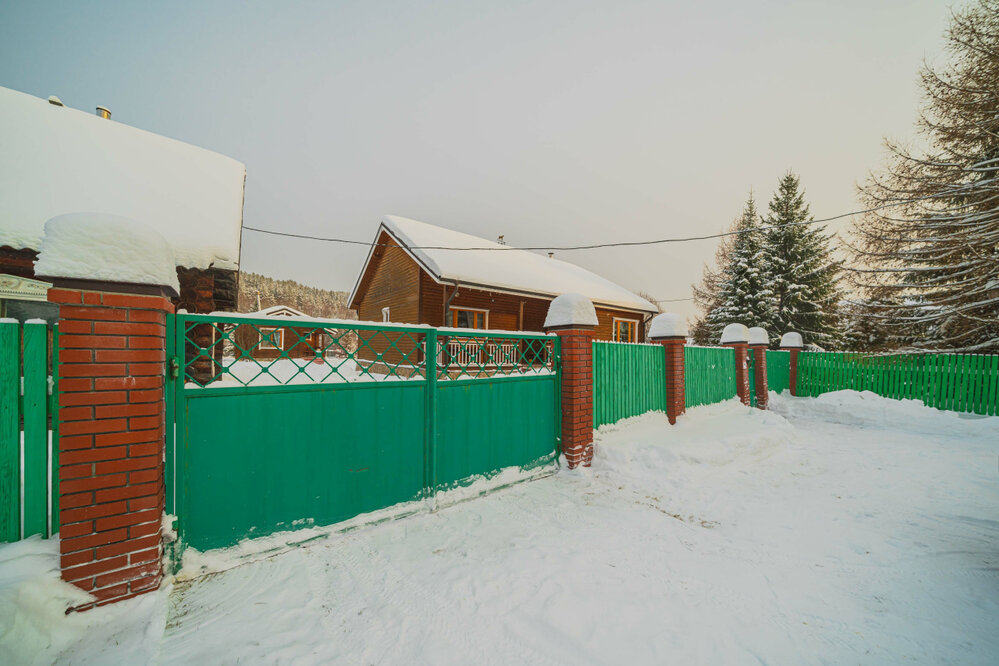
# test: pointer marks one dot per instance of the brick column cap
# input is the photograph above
(735, 334)
(791, 340)
(667, 325)
(758, 336)
(570, 311)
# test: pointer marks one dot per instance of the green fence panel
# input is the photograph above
(954, 382)
(36, 431)
(10, 436)
(778, 371)
(485, 425)
(628, 380)
(709, 374)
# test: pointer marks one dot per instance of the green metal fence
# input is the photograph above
(709, 373)
(28, 456)
(628, 379)
(285, 422)
(954, 382)
(778, 370)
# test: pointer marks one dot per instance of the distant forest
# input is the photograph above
(310, 300)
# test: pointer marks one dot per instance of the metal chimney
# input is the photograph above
(104, 112)
(55, 101)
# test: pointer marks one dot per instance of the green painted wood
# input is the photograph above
(10, 437)
(36, 432)
(709, 374)
(993, 399)
(430, 433)
(628, 380)
(778, 370)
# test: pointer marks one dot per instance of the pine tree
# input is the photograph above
(803, 273)
(927, 259)
(744, 293)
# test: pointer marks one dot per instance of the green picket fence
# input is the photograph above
(628, 380)
(953, 382)
(28, 459)
(778, 371)
(709, 373)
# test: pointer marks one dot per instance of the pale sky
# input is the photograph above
(552, 123)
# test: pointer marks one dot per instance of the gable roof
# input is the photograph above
(280, 311)
(508, 270)
(57, 160)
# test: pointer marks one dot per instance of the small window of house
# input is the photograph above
(625, 330)
(272, 338)
(468, 318)
(386, 315)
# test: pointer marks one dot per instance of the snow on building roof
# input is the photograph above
(280, 311)
(58, 160)
(511, 270)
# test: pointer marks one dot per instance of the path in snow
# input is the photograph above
(846, 528)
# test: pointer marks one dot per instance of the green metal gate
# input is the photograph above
(280, 423)
(29, 470)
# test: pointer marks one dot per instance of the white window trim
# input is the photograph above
(268, 334)
(387, 314)
(485, 322)
(614, 328)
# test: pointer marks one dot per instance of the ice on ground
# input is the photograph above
(96, 246)
(843, 529)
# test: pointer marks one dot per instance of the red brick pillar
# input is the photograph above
(573, 319)
(792, 342)
(670, 331)
(736, 336)
(759, 340)
(111, 440)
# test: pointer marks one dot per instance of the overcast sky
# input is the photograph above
(549, 122)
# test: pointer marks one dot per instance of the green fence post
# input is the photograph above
(430, 436)
(10, 437)
(36, 432)
(54, 420)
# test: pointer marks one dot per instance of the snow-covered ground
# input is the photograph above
(841, 529)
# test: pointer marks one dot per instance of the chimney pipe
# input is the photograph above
(551, 254)
(104, 112)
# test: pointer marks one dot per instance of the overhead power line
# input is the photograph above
(594, 246)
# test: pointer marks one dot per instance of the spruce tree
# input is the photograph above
(743, 285)
(803, 273)
(927, 257)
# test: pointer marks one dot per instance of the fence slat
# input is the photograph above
(10, 455)
(36, 436)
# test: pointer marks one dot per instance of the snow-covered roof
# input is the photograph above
(510, 270)
(56, 160)
(280, 311)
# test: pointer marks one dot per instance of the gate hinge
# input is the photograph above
(173, 367)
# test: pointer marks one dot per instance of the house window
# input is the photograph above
(386, 314)
(468, 318)
(272, 338)
(625, 330)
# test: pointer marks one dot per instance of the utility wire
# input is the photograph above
(594, 246)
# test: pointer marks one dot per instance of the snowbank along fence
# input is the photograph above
(29, 478)
(368, 417)
(953, 382)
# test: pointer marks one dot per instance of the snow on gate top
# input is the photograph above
(58, 160)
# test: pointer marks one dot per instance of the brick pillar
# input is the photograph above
(572, 318)
(670, 331)
(111, 444)
(759, 340)
(736, 336)
(792, 342)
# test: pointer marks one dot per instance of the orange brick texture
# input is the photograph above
(676, 398)
(759, 353)
(741, 371)
(577, 395)
(793, 379)
(111, 444)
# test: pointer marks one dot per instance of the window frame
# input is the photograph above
(267, 338)
(620, 320)
(387, 314)
(454, 317)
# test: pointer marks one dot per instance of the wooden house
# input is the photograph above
(407, 278)
(57, 160)
(270, 342)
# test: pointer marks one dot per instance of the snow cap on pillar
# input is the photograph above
(758, 336)
(735, 333)
(791, 340)
(571, 310)
(667, 325)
